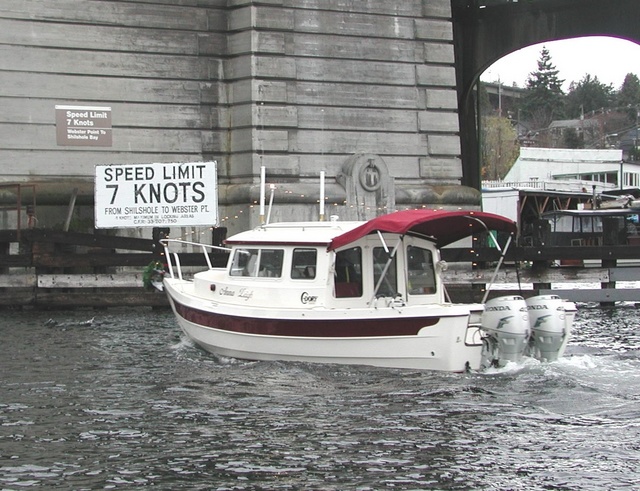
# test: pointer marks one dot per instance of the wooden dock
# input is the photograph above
(54, 269)
(592, 276)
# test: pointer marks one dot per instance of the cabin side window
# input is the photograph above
(303, 264)
(389, 284)
(244, 263)
(421, 275)
(257, 262)
(565, 224)
(348, 273)
(271, 263)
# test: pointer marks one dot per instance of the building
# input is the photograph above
(559, 168)
(351, 88)
(545, 180)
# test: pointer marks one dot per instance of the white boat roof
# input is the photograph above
(442, 226)
(293, 233)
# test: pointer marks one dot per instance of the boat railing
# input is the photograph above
(175, 263)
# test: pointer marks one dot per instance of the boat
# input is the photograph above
(587, 227)
(363, 293)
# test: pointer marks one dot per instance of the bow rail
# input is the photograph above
(166, 243)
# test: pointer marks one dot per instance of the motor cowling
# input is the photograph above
(550, 323)
(505, 321)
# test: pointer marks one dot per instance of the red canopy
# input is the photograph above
(445, 227)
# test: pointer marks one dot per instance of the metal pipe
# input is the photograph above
(495, 272)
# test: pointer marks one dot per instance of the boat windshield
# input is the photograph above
(420, 272)
(389, 285)
(257, 262)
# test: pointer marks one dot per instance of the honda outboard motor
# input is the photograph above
(505, 320)
(551, 319)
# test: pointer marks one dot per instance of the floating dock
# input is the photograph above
(54, 269)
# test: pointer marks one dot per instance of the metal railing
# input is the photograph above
(18, 206)
(568, 185)
(168, 254)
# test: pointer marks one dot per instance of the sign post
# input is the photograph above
(156, 195)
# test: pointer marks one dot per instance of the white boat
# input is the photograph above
(368, 293)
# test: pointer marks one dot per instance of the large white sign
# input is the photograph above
(156, 195)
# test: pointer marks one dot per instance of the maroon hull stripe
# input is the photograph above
(336, 328)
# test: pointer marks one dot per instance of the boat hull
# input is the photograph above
(395, 338)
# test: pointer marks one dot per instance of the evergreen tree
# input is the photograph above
(587, 95)
(629, 95)
(543, 99)
(572, 139)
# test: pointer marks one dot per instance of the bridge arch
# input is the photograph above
(487, 30)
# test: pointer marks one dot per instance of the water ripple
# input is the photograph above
(124, 402)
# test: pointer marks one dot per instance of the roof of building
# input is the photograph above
(574, 123)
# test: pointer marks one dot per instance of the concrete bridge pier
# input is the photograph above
(369, 90)
(296, 87)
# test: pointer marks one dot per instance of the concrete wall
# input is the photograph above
(155, 64)
(296, 86)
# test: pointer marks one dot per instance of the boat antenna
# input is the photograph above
(262, 190)
(322, 196)
(272, 187)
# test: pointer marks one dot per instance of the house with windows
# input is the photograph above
(629, 142)
(584, 130)
(545, 180)
(563, 169)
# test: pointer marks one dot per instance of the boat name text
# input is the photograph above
(245, 293)
(305, 298)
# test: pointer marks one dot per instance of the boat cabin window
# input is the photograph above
(581, 225)
(257, 262)
(420, 271)
(389, 285)
(348, 273)
(303, 264)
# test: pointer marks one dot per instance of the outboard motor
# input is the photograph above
(551, 319)
(505, 320)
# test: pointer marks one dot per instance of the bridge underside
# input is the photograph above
(484, 35)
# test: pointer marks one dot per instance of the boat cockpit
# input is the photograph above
(368, 269)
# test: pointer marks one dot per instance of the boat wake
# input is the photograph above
(183, 343)
(511, 367)
(592, 364)
(186, 346)
(57, 324)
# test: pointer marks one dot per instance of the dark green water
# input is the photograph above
(123, 402)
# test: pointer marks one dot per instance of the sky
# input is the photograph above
(610, 59)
